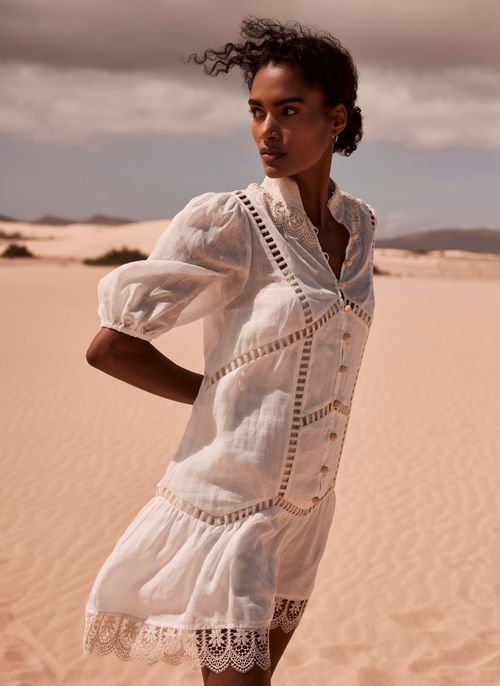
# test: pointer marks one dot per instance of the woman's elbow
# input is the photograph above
(111, 343)
(100, 346)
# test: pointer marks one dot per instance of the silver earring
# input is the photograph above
(334, 139)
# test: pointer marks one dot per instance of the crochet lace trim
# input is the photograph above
(214, 647)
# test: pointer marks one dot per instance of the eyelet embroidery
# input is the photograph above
(214, 647)
(287, 613)
(291, 220)
(294, 221)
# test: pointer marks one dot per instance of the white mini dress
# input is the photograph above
(228, 546)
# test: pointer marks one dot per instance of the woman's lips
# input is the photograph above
(270, 157)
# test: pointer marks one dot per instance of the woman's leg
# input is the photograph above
(278, 641)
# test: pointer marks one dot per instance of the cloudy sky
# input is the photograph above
(99, 114)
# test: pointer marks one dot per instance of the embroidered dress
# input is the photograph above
(229, 544)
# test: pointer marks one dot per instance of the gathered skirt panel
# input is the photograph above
(179, 590)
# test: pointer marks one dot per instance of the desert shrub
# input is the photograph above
(377, 270)
(17, 250)
(6, 235)
(117, 257)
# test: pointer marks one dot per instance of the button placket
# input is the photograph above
(343, 367)
(324, 469)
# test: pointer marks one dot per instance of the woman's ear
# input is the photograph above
(339, 119)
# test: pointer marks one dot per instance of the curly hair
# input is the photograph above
(323, 62)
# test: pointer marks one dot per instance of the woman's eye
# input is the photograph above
(255, 111)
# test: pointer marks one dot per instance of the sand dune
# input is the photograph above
(408, 592)
(479, 240)
(78, 241)
(71, 244)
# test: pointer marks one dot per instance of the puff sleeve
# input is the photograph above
(199, 264)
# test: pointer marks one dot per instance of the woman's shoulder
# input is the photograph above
(211, 222)
(215, 202)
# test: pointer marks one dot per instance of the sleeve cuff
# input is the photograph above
(128, 330)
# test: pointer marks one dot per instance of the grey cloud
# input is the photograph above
(150, 35)
(89, 106)
(75, 72)
(84, 107)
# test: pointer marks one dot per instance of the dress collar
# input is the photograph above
(287, 189)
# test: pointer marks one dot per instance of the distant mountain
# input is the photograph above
(471, 240)
(104, 219)
(95, 219)
(52, 220)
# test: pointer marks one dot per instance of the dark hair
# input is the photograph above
(322, 60)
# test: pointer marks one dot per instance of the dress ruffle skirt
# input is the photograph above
(183, 591)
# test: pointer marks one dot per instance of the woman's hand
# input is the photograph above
(139, 363)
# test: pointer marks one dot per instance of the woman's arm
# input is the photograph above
(138, 362)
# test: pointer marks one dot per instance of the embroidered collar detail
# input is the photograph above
(282, 199)
(288, 189)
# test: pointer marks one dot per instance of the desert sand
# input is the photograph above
(408, 591)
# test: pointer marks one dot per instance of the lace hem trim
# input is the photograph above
(214, 647)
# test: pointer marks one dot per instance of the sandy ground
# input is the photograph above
(408, 592)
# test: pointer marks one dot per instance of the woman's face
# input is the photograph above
(281, 104)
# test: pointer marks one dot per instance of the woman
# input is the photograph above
(216, 569)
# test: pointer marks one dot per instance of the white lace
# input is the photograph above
(214, 647)
(283, 203)
(291, 220)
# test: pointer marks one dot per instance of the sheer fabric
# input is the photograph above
(232, 539)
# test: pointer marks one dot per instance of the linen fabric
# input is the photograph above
(228, 547)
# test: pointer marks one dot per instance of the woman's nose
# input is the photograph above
(270, 126)
(271, 132)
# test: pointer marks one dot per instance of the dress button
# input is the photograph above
(354, 236)
(323, 469)
(332, 436)
(342, 284)
(336, 404)
(348, 263)
(316, 499)
(346, 336)
(347, 308)
(342, 369)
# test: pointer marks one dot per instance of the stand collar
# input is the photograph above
(287, 189)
